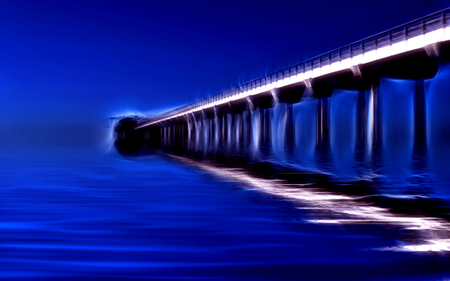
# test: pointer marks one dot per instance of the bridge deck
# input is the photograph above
(408, 37)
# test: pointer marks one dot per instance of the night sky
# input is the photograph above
(67, 66)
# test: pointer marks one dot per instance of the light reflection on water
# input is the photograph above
(81, 214)
(434, 231)
(369, 162)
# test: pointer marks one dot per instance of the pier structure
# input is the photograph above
(311, 103)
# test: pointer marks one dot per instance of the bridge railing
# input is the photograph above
(362, 51)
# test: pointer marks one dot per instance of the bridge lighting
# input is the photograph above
(429, 30)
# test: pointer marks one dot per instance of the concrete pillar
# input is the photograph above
(419, 114)
(290, 130)
(224, 126)
(361, 126)
(267, 124)
(377, 120)
(361, 117)
(420, 130)
(322, 120)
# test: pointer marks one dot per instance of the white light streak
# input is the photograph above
(347, 208)
(414, 43)
(398, 48)
(438, 245)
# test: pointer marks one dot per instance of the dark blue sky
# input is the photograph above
(81, 61)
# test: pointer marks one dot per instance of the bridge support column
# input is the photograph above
(377, 120)
(224, 126)
(361, 117)
(189, 127)
(419, 114)
(322, 120)
(216, 123)
(229, 121)
(255, 129)
(420, 130)
(266, 126)
(237, 129)
(290, 129)
(362, 123)
(246, 125)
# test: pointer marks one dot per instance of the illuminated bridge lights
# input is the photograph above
(411, 36)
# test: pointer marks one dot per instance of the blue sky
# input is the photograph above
(78, 62)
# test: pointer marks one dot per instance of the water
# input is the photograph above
(72, 214)
(362, 196)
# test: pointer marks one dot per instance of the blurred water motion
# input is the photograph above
(342, 209)
(82, 214)
(275, 194)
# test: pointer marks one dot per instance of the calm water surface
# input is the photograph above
(84, 214)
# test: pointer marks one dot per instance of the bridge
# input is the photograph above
(370, 121)
(304, 105)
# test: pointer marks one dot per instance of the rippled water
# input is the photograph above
(349, 187)
(273, 194)
(83, 214)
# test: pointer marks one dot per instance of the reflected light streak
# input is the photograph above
(438, 245)
(346, 207)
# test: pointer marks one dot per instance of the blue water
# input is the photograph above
(91, 214)
(341, 207)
